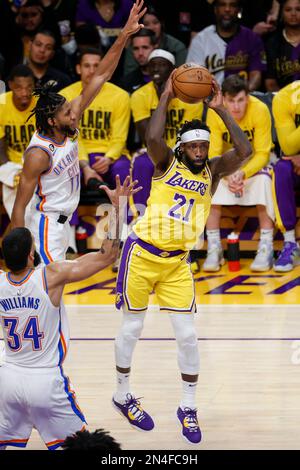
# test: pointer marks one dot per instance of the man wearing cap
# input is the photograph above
(144, 101)
(155, 255)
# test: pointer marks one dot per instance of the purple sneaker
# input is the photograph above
(190, 427)
(134, 413)
(288, 258)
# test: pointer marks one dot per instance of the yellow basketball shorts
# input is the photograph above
(144, 269)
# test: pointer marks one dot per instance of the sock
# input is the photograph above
(213, 236)
(122, 387)
(289, 236)
(188, 395)
(267, 235)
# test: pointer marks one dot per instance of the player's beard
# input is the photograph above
(229, 24)
(195, 168)
(68, 131)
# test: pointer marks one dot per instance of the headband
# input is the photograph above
(195, 134)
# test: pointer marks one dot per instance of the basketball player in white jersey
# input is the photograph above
(34, 391)
(51, 172)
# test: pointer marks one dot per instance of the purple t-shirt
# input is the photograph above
(87, 13)
(243, 53)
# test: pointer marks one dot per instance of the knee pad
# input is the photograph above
(128, 335)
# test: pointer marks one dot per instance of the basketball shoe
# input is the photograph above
(190, 427)
(214, 259)
(263, 260)
(134, 413)
(288, 258)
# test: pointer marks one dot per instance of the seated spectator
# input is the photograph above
(42, 50)
(143, 102)
(286, 112)
(61, 13)
(283, 48)
(110, 15)
(228, 48)
(252, 185)
(15, 130)
(142, 43)
(153, 21)
(104, 125)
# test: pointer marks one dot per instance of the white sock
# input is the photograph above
(122, 387)
(213, 236)
(267, 235)
(289, 236)
(188, 395)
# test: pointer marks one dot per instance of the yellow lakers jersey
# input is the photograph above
(14, 127)
(177, 208)
(286, 112)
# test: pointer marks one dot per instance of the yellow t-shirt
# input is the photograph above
(177, 208)
(257, 126)
(144, 102)
(286, 112)
(14, 128)
(104, 124)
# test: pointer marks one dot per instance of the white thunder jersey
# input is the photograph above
(58, 188)
(36, 334)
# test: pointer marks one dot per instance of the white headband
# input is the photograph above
(195, 134)
(162, 54)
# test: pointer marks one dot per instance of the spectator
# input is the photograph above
(104, 124)
(261, 20)
(109, 15)
(61, 13)
(15, 130)
(144, 101)
(286, 111)
(142, 43)
(153, 21)
(98, 440)
(228, 48)
(42, 50)
(283, 48)
(252, 184)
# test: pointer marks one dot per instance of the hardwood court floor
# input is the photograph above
(249, 386)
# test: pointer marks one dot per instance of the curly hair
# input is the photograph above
(47, 106)
(188, 126)
(85, 440)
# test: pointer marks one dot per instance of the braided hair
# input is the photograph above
(187, 126)
(47, 105)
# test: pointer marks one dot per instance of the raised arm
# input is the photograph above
(35, 163)
(232, 160)
(159, 152)
(110, 61)
(65, 272)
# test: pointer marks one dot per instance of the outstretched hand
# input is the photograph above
(215, 100)
(136, 13)
(122, 193)
(169, 90)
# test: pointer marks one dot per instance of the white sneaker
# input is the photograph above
(214, 259)
(263, 260)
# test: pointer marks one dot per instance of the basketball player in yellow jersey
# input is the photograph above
(15, 130)
(155, 255)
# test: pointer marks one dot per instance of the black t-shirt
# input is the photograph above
(282, 60)
(58, 78)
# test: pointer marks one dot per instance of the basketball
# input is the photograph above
(192, 83)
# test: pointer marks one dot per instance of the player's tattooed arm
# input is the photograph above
(232, 160)
(158, 150)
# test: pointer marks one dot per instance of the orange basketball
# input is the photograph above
(192, 83)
